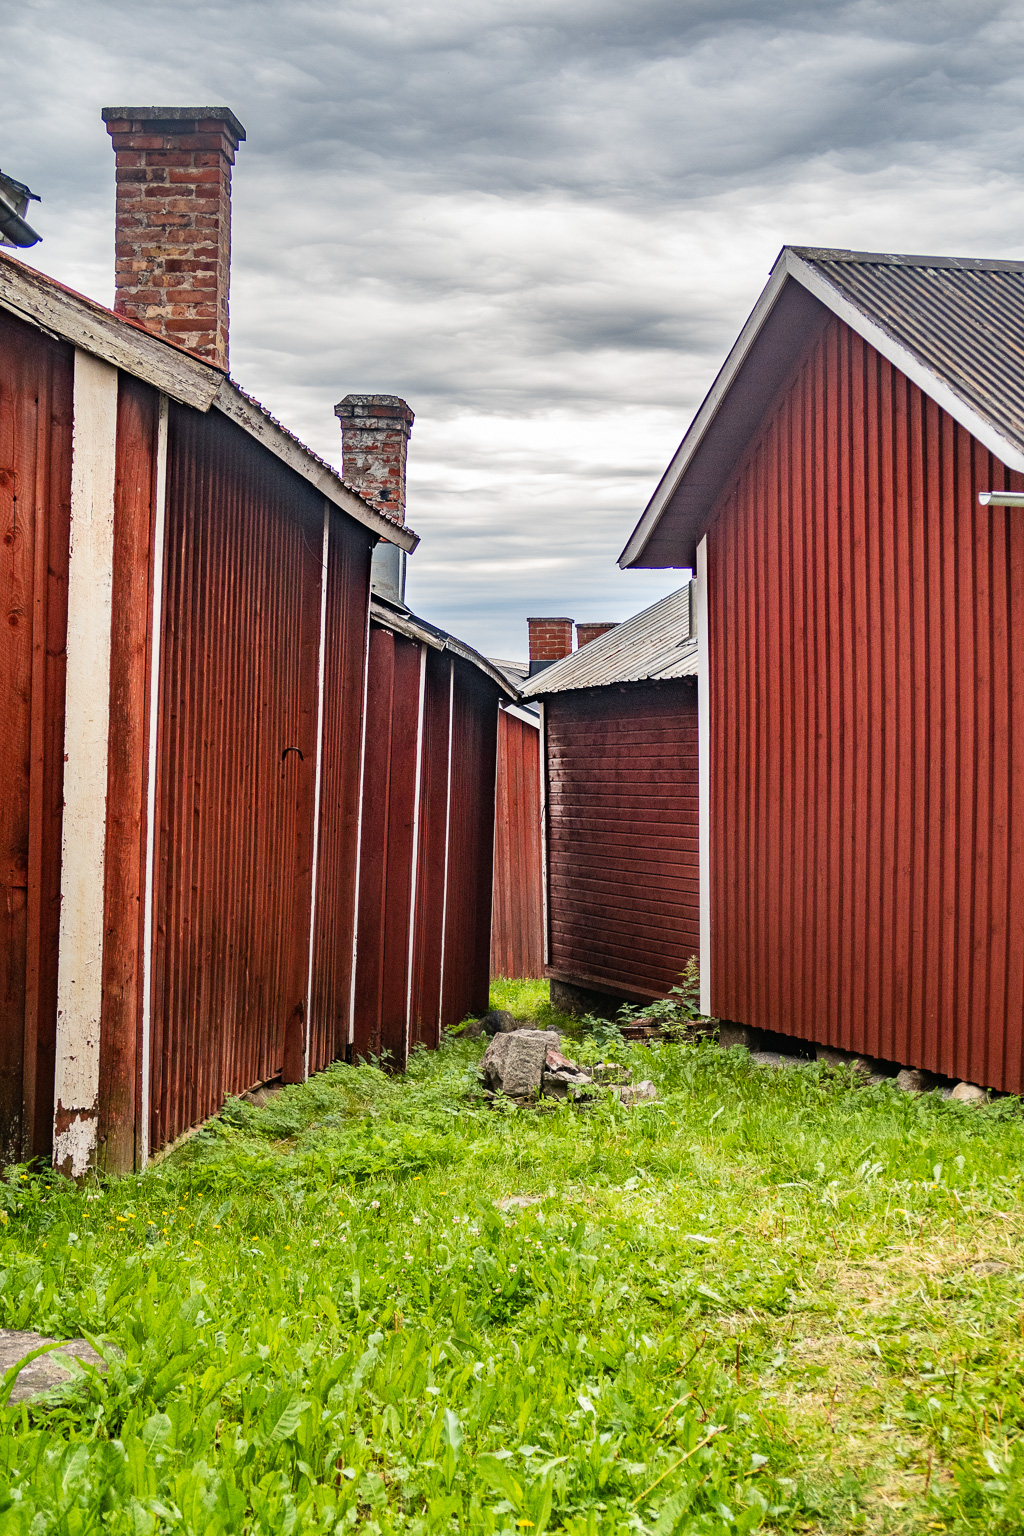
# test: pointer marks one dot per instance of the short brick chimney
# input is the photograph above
(550, 640)
(375, 432)
(587, 632)
(173, 227)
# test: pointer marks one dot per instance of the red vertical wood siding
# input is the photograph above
(238, 691)
(428, 928)
(348, 587)
(623, 874)
(517, 921)
(466, 975)
(124, 874)
(386, 861)
(36, 391)
(867, 683)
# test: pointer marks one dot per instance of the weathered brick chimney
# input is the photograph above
(550, 640)
(173, 228)
(375, 432)
(587, 632)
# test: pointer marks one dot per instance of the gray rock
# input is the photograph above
(635, 1093)
(46, 1371)
(518, 1202)
(562, 1078)
(498, 1022)
(862, 1065)
(990, 1267)
(737, 1034)
(969, 1093)
(915, 1080)
(472, 1031)
(513, 1064)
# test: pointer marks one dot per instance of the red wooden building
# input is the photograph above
(619, 734)
(183, 670)
(517, 916)
(427, 835)
(861, 637)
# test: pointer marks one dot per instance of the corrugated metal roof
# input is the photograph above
(404, 622)
(954, 325)
(654, 645)
(963, 316)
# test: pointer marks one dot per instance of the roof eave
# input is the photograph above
(695, 433)
(404, 622)
(240, 408)
(791, 263)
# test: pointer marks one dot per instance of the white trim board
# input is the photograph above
(86, 739)
(152, 767)
(704, 773)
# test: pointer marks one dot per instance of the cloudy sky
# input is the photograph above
(542, 222)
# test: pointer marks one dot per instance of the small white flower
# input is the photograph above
(512, 1269)
(415, 1221)
(375, 1205)
(316, 1242)
(407, 1257)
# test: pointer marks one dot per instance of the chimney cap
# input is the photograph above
(176, 115)
(374, 405)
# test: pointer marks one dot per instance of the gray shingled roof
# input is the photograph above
(652, 646)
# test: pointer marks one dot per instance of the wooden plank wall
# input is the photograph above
(622, 836)
(867, 745)
(36, 384)
(517, 918)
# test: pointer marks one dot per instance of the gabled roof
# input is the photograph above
(652, 646)
(71, 317)
(397, 617)
(953, 325)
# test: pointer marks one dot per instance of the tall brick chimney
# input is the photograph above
(173, 228)
(375, 432)
(587, 632)
(550, 640)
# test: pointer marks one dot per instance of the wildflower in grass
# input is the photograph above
(415, 1221)
(375, 1205)
(315, 1243)
(407, 1257)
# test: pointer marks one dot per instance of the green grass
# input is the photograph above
(772, 1302)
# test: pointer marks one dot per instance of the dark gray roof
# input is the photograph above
(964, 317)
(397, 617)
(952, 324)
(654, 645)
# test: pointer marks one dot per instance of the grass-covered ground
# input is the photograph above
(773, 1301)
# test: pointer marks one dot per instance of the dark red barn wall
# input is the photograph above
(238, 746)
(517, 921)
(36, 390)
(466, 960)
(345, 641)
(387, 847)
(622, 854)
(432, 850)
(427, 836)
(867, 749)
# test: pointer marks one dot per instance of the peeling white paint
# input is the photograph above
(90, 587)
(73, 1148)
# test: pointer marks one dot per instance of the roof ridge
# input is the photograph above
(898, 259)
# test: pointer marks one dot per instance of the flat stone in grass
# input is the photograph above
(46, 1371)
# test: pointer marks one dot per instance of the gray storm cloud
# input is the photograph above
(542, 223)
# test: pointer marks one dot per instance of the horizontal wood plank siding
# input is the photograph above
(867, 747)
(622, 835)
